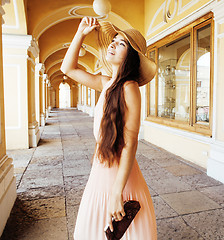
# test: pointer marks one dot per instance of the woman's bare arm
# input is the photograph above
(131, 130)
(70, 63)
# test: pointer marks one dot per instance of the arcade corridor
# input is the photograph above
(52, 176)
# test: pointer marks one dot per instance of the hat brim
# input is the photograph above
(106, 33)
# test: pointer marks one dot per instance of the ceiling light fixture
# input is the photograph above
(82, 51)
(101, 7)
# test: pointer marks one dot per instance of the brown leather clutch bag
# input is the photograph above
(131, 208)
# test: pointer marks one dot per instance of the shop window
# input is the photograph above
(203, 75)
(151, 89)
(180, 93)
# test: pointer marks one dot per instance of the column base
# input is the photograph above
(215, 166)
(34, 134)
(80, 107)
(42, 120)
(7, 190)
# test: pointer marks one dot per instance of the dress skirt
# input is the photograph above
(92, 214)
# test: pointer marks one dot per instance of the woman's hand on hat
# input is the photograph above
(87, 25)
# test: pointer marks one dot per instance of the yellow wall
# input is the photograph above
(187, 145)
(15, 19)
(7, 179)
(2, 119)
(156, 19)
(31, 89)
(189, 149)
(220, 95)
(15, 93)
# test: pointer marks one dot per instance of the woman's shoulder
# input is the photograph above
(131, 83)
(132, 92)
(105, 80)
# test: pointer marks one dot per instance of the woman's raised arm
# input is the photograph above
(70, 63)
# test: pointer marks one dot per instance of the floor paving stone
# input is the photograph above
(162, 209)
(175, 229)
(51, 179)
(44, 208)
(216, 193)
(189, 202)
(209, 224)
(182, 170)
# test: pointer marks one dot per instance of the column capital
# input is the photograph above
(33, 48)
(2, 12)
(45, 77)
(21, 41)
(40, 68)
(5, 1)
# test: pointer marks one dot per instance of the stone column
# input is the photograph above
(42, 95)
(57, 95)
(19, 52)
(39, 68)
(7, 178)
(34, 133)
(215, 167)
(48, 96)
(53, 97)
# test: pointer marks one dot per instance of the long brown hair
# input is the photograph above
(112, 124)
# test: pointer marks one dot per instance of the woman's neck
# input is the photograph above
(114, 72)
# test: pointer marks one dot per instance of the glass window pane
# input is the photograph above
(152, 89)
(203, 74)
(174, 79)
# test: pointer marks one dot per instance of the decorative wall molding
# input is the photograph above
(2, 12)
(216, 161)
(183, 22)
(182, 8)
(21, 41)
(168, 13)
(16, 41)
(5, 1)
(218, 12)
(18, 102)
(34, 49)
(16, 26)
(31, 60)
(40, 68)
(179, 132)
(153, 29)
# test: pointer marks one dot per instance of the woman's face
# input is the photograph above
(117, 50)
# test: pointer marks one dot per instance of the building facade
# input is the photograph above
(182, 107)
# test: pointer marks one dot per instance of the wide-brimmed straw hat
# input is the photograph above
(106, 33)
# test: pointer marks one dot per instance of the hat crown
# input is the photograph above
(138, 40)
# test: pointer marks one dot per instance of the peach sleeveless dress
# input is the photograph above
(91, 218)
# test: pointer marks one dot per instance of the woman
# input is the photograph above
(115, 175)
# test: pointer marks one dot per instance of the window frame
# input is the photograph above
(190, 125)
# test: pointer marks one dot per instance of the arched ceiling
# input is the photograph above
(53, 23)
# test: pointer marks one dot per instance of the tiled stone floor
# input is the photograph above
(51, 179)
